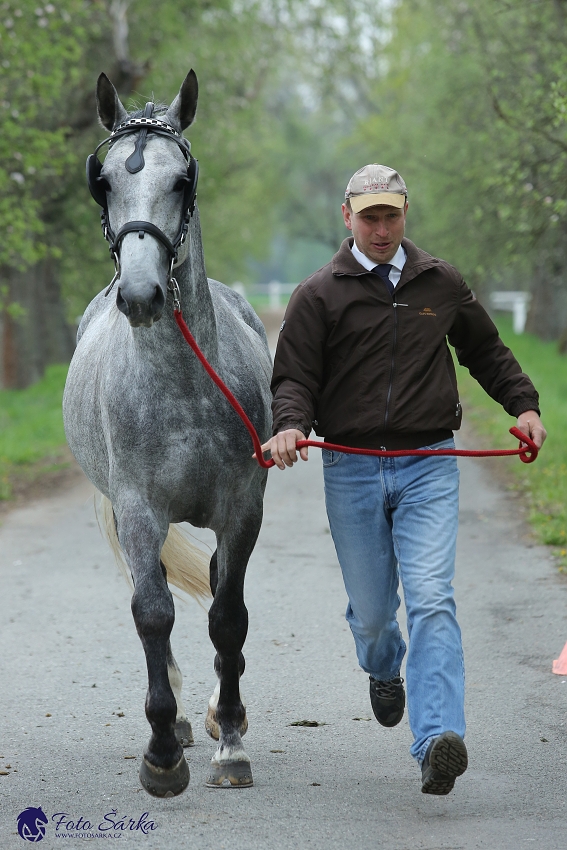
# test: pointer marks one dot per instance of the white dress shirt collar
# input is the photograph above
(397, 262)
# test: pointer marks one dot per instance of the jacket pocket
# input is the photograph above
(457, 407)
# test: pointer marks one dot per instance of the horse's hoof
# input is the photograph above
(184, 733)
(212, 726)
(160, 782)
(230, 774)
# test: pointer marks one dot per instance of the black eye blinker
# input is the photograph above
(104, 184)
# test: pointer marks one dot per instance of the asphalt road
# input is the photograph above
(72, 686)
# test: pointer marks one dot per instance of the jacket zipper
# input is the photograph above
(392, 362)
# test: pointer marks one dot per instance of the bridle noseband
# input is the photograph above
(135, 162)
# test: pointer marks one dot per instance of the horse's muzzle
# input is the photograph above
(141, 309)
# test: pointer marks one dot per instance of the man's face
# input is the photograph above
(377, 231)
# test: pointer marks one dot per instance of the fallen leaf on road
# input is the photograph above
(306, 723)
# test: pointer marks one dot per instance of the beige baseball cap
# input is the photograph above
(376, 184)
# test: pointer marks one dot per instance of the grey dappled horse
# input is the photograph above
(156, 436)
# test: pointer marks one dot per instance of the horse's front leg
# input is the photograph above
(228, 625)
(164, 771)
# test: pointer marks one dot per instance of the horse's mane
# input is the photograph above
(159, 109)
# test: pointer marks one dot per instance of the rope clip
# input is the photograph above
(173, 286)
(116, 273)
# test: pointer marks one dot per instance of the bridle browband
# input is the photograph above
(135, 162)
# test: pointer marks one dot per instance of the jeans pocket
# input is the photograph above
(330, 458)
(444, 444)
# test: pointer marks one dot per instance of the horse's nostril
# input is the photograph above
(121, 303)
(158, 302)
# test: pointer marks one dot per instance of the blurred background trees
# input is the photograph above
(477, 93)
(467, 98)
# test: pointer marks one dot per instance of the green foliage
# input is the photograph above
(522, 49)
(12, 308)
(542, 484)
(42, 51)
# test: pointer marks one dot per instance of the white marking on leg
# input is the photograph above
(176, 681)
(225, 753)
(214, 700)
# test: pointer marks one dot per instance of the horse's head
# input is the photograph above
(146, 188)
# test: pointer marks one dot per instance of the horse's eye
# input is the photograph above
(180, 185)
(104, 184)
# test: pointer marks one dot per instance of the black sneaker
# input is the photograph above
(445, 759)
(388, 700)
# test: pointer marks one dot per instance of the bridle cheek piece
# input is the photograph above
(135, 162)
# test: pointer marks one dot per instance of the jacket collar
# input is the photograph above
(345, 264)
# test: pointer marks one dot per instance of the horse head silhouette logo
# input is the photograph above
(31, 824)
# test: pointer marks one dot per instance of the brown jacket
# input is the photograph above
(368, 369)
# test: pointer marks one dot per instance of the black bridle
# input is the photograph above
(135, 162)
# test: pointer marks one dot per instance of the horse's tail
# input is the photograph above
(187, 566)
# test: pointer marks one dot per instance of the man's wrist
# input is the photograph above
(525, 406)
(291, 426)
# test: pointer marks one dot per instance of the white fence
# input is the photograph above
(275, 291)
(515, 302)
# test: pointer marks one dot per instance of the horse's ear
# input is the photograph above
(110, 110)
(182, 111)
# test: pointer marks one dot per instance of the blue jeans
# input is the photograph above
(394, 518)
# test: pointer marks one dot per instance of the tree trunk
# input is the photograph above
(34, 332)
(547, 316)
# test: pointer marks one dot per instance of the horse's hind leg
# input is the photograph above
(164, 771)
(183, 731)
(228, 625)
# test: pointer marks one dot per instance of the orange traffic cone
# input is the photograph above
(560, 664)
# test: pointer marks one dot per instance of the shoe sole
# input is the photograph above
(447, 760)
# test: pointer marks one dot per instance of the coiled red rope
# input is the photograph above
(527, 450)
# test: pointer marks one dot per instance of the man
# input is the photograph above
(363, 358)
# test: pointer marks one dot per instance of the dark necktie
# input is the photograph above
(383, 271)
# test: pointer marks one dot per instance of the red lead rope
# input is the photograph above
(527, 451)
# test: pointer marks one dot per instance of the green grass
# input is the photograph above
(543, 483)
(31, 426)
